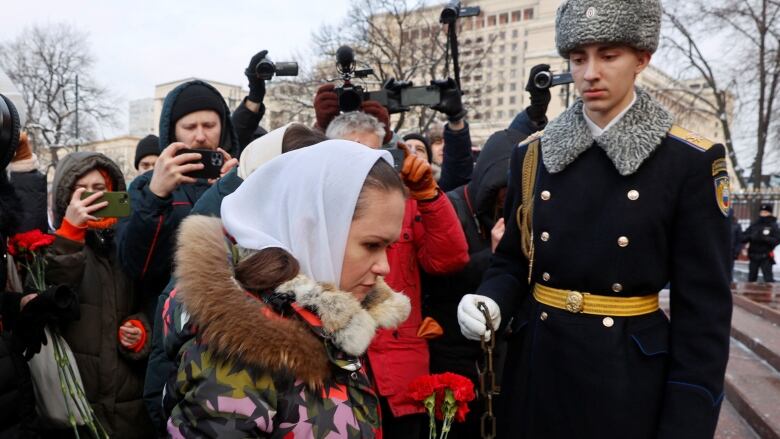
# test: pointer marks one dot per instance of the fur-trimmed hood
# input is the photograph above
(628, 144)
(233, 323)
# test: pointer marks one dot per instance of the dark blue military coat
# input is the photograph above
(614, 232)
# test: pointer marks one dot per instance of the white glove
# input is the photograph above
(472, 321)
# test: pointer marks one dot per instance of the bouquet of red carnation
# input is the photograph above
(445, 397)
(27, 248)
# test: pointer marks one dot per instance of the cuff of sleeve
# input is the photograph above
(141, 343)
(69, 231)
(156, 204)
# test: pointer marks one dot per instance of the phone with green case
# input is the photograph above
(118, 204)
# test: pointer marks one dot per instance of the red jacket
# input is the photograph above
(431, 238)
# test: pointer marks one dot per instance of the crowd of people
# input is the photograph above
(302, 288)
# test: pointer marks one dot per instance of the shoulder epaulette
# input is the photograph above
(690, 138)
(535, 136)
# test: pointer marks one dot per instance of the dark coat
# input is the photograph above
(458, 162)
(763, 236)
(112, 375)
(572, 375)
(30, 187)
(160, 367)
(246, 123)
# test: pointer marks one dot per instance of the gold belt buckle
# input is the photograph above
(574, 302)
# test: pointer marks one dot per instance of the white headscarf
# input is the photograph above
(261, 150)
(303, 201)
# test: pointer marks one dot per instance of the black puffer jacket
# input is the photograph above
(113, 376)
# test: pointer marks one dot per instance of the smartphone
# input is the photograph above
(212, 163)
(118, 204)
(423, 95)
(398, 158)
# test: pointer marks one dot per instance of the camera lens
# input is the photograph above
(9, 131)
(265, 69)
(543, 80)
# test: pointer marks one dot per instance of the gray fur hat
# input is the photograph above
(636, 23)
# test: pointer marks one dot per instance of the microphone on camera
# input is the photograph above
(345, 57)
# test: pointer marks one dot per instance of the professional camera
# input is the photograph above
(9, 129)
(547, 79)
(352, 96)
(266, 69)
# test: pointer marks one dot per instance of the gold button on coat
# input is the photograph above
(545, 195)
(617, 287)
(546, 276)
(545, 236)
(608, 322)
(633, 195)
(623, 241)
(543, 316)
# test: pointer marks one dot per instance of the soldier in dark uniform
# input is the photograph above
(603, 209)
(763, 236)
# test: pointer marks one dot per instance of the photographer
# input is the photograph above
(194, 115)
(111, 339)
(326, 108)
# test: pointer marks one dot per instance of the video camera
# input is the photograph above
(396, 96)
(547, 79)
(266, 69)
(9, 130)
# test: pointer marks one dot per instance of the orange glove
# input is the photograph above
(418, 177)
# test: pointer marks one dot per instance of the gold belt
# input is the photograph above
(586, 303)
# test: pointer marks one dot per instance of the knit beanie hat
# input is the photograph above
(424, 140)
(194, 98)
(635, 23)
(149, 145)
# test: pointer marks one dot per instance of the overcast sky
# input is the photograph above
(140, 43)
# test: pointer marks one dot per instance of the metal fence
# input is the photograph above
(746, 204)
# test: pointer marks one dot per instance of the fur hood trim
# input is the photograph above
(26, 165)
(238, 325)
(628, 144)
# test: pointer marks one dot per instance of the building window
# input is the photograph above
(500, 89)
(528, 14)
(515, 33)
(500, 101)
(514, 47)
(480, 22)
(515, 16)
(501, 62)
(513, 87)
(503, 18)
(490, 62)
(500, 114)
(512, 99)
(415, 34)
(501, 48)
(490, 76)
(514, 60)
(513, 73)
(492, 20)
(488, 102)
(502, 35)
(479, 40)
(488, 115)
(469, 23)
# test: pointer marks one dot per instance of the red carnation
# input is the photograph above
(26, 247)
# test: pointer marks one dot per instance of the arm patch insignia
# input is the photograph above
(723, 194)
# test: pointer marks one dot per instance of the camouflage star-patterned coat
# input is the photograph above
(246, 371)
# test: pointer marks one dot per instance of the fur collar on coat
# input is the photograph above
(628, 144)
(233, 323)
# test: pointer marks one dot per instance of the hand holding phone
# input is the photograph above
(211, 160)
(81, 208)
(116, 204)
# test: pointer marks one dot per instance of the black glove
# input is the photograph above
(540, 97)
(256, 84)
(451, 103)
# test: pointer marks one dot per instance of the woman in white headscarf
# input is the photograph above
(285, 294)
